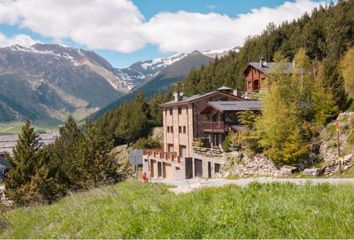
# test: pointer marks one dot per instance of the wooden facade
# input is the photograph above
(254, 79)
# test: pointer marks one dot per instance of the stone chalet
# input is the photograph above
(194, 128)
(255, 74)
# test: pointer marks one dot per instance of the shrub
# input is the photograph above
(149, 143)
(232, 142)
(198, 142)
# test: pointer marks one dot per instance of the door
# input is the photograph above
(159, 169)
(167, 170)
(209, 169)
(189, 168)
(198, 168)
(152, 170)
(182, 151)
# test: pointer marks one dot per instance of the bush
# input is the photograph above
(198, 142)
(232, 142)
(149, 143)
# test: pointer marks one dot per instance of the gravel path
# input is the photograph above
(185, 186)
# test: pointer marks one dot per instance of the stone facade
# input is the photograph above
(182, 123)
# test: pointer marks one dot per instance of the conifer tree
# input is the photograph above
(23, 163)
(63, 164)
(98, 165)
(324, 107)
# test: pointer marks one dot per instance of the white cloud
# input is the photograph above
(119, 25)
(110, 24)
(183, 31)
(21, 39)
(8, 13)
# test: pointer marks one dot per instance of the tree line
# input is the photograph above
(78, 159)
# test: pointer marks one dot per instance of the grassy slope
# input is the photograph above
(134, 210)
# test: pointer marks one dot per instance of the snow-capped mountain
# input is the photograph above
(220, 52)
(142, 71)
(50, 81)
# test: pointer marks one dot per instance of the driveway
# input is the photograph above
(185, 186)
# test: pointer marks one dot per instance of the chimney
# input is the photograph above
(262, 62)
(178, 96)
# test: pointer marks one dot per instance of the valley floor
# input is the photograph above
(134, 210)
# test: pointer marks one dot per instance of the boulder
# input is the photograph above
(312, 171)
(347, 158)
(287, 170)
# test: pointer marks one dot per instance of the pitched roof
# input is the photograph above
(189, 99)
(234, 105)
(224, 88)
(267, 67)
(197, 97)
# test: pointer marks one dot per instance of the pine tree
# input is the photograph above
(23, 164)
(324, 107)
(63, 163)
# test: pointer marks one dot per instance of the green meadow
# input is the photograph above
(134, 210)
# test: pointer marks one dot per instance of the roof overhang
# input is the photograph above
(174, 104)
(250, 65)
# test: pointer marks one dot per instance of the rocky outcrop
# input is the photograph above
(333, 167)
(258, 165)
(329, 145)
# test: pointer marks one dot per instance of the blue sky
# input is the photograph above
(126, 31)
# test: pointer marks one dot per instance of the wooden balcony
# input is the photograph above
(159, 153)
(215, 127)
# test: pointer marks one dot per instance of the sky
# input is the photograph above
(126, 31)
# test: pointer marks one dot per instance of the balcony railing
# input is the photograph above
(221, 127)
(159, 153)
(214, 126)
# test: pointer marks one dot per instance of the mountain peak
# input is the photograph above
(195, 52)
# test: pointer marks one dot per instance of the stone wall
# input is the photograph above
(259, 165)
(208, 152)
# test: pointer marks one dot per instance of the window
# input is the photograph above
(171, 111)
(179, 129)
(168, 129)
(217, 168)
(179, 110)
(171, 129)
(184, 129)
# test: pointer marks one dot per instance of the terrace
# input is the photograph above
(167, 156)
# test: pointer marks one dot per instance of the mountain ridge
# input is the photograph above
(50, 81)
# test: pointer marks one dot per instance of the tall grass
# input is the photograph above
(134, 210)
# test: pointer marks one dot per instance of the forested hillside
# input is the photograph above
(325, 35)
(162, 81)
